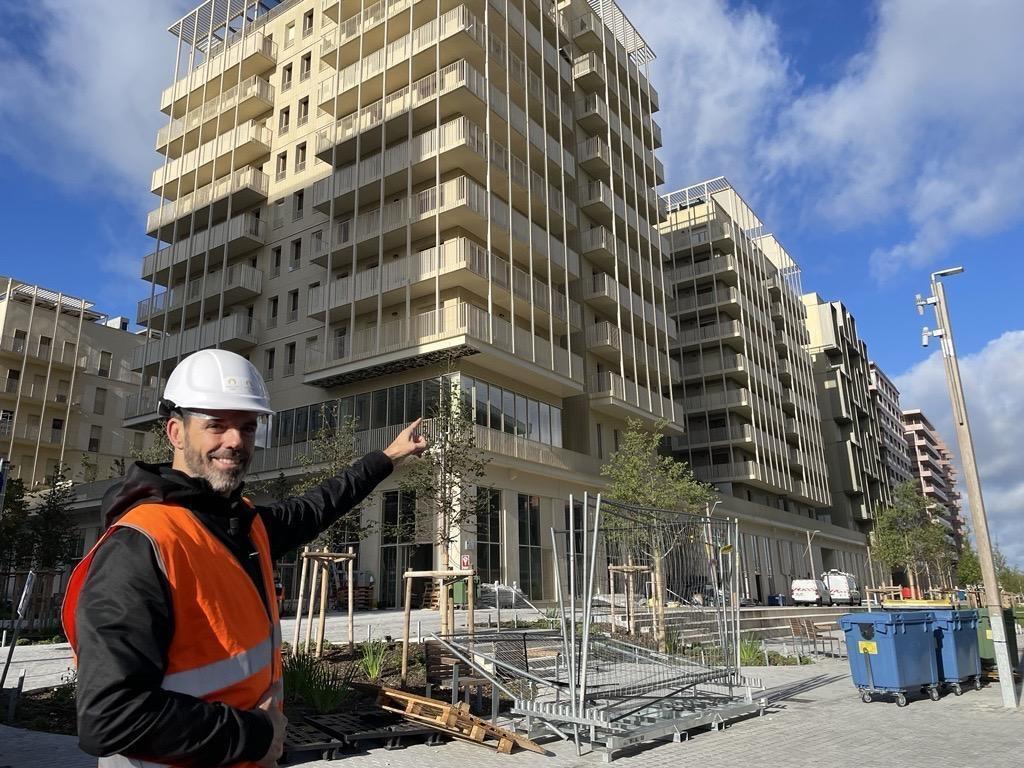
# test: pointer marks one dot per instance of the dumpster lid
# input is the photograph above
(878, 618)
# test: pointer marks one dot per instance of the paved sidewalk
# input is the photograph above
(823, 727)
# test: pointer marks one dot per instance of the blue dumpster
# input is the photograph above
(892, 652)
(956, 636)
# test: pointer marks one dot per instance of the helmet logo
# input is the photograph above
(233, 384)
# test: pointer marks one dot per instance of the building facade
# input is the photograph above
(933, 468)
(369, 199)
(747, 388)
(849, 422)
(65, 376)
(896, 461)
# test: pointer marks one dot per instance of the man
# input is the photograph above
(172, 615)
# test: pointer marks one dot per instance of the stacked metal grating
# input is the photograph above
(647, 638)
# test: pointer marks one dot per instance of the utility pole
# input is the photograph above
(944, 333)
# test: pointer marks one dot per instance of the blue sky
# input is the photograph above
(878, 140)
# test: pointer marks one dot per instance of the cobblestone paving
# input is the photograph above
(821, 727)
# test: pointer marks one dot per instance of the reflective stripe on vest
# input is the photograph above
(119, 761)
(202, 681)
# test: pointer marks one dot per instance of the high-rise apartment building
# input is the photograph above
(64, 378)
(747, 388)
(885, 399)
(933, 467)
(849, 423)
(363, 198)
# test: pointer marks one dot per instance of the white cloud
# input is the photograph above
(78, 100)
(926, 126)
(719, 73)
(994, 389)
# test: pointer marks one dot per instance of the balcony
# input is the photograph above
(20, 349)
(505, 449)
(241, 146)
(459, 80)
(598, 245)
(711, 401)
(728, 472)
(717, 364)
(588, 72)
(724, 267)
(724, 295)
(245, 102)
(621, 398)
(594, 156)
(238, 282)
(586, 30)
(350, 26)
(605, 340)
(597, 200)
(141, 407)
(235, 332)
(457, 329)
(244, 188)
(240, 234)
(592, 114)
(32, 434)
(730, 332)
(254, 54)
(709, 438)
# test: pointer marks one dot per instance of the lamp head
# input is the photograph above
(947, 272)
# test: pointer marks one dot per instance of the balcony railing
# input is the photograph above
(221, 56)
(612, 385)
(238, 276)
(456, 319)
(244, 226)
(235, 330)
(713, 400)
(244, 178)
(254, 88)
(205, 154)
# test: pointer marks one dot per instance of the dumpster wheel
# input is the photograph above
(958, 689)
(901, 700)
(866, 697)
(933, 694)
(977, 683)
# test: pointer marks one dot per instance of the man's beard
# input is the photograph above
(221, 479)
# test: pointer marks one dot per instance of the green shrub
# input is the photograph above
(321, 686)
(751, 653)
(374, 658)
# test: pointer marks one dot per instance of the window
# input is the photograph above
(488, 534)
(284, 119)
(138, 442)
(293, 305)
(272, 313)
(279, 207)
(298, 204)
(289, 359)
(303, 115)
(57, 425)
(289, 35)
(69, 352)
(20, 337)
(305, 66)
(104, 368)
(45, 345)
(317, 239)
(268, 372)
(95, 436)
(282, 171)
(307, 23)
(99, 403)
(13, 377)
(275, 262)
(295, 259)
(63, 386)
(530, 580)
(286, 77)
(300, 160)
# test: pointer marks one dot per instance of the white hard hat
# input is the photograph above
(215, 379)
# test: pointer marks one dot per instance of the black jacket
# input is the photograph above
(125, 623)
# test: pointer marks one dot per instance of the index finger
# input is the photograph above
(415, 425)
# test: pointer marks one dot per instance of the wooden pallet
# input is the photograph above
(454, 720)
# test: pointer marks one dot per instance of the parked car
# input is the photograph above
(842, 587)
(810, 592)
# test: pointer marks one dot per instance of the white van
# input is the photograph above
(842, 587)
(810, 592)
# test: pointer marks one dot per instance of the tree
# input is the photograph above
(159, 450)
(331, 450)
(52, 527)
(445, 478)
(117, 469)
(89, 468)
(15, 539)
(906, 537)
(638, 475)
(968, 570)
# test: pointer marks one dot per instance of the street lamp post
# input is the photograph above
(944, 333)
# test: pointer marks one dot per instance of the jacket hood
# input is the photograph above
(157, 483)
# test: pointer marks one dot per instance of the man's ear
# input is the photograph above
(175, 429)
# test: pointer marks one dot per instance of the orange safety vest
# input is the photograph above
(226, 647)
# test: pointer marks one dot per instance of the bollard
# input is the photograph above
(455, 684)
(3, 640)
(367, 633)
(419, 631)
(495, 704)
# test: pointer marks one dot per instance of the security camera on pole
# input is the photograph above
(963, 437)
